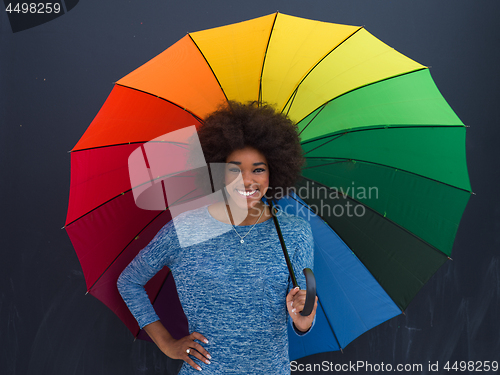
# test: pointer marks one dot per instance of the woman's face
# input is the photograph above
(246, 177)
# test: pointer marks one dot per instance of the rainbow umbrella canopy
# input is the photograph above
(384, 186)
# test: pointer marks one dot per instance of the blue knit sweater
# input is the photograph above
(232, 293)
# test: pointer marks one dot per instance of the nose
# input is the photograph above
(247, 178)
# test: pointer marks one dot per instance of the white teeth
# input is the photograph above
(246, 193)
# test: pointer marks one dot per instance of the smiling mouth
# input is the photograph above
(247, 193)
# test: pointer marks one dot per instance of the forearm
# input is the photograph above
(131, 287)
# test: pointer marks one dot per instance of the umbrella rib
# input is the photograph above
(180, 144)
(126, 192)
(96, 207)
(264, 60)
(317, 114)
(360, 87)
(290, 100)
(375, 127)
(121, 252)
(346, 196)
(208, 64)
(329, 323)
(344, 160)
(333, 137)
(169, 101)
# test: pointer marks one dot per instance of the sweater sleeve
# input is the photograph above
(145, 265)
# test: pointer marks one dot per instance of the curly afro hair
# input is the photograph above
(237, 125)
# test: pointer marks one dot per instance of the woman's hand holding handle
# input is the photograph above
(295, 301)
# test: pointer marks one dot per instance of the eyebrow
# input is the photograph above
(239, 163)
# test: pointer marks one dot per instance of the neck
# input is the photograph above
(254, 214)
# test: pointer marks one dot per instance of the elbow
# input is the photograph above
(121, 284)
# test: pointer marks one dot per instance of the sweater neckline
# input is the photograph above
(213, 219)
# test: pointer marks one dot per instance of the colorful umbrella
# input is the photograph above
(384, 187)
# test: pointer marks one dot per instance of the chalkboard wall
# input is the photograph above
(53, 80)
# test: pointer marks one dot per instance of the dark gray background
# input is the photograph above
(55, 77)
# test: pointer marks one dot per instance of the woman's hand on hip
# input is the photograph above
(188, 347)
(185, 348)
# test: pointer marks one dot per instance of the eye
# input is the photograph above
(234, 170)
(259, 170)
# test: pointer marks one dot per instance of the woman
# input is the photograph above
(232, 280)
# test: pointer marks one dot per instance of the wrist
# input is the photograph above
(302, 329)
(160, 336)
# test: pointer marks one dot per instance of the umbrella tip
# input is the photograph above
(450, 259)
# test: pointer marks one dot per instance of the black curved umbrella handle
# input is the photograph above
(310, 292)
